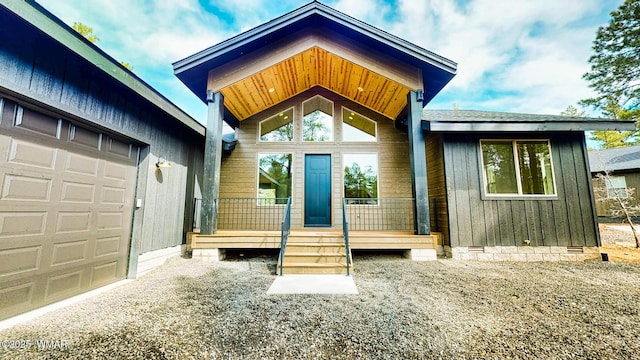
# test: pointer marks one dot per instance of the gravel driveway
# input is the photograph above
(443, 309)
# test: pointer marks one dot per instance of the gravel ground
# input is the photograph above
(444, 309)
(618, 242)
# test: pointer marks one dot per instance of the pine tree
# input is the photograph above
(615, 64)
(87, 32)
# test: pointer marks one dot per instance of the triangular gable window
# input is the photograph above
(317, 120)
(356, 127)
(278, 127)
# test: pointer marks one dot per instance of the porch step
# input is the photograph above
(316, 258)
(314, 268)
(314, 253)
(316, 239)
(308, 247)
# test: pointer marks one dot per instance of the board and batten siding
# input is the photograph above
(567, 220)
(437, 186)
(38, 72)
(238, 176)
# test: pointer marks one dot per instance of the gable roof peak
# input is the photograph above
(436, 70)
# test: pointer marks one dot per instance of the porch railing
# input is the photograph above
(377, 214)
(251, 213)
(345, 230)
(361, 214)
(284, 233)
(245, 213)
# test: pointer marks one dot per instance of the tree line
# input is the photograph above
(615, 75)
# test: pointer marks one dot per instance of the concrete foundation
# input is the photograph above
(523, 253)
(152, 259)
(208, 255)
(421, 254)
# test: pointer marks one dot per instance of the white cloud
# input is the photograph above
(530, 53)
(533, 52)
(371, 11)
(149, 33)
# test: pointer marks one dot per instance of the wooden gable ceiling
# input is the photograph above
(309, 68)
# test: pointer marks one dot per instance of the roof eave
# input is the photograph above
(420, 56)
(305, 11)
(502, 126)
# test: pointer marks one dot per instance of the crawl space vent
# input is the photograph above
(575, 249)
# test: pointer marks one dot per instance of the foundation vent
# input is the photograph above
(476, 249)
(575, 249)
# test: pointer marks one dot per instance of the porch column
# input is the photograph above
(212, 158)
(418, 157)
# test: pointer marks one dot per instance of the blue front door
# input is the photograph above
(317, 190)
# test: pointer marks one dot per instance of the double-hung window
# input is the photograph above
(616, 187)
(517, 168)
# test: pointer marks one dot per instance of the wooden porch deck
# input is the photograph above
(313, 251)
(358, 240)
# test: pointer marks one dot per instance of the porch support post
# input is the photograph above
(212, 158)
(418, 157)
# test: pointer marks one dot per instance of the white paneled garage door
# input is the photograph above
(66, 205)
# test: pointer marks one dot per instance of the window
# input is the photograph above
(34, 121)
(356, 127)
(361, 179)
(119, 148)
(274, 178)
(517, 167)
(278, 127)
(85, 137)
(616, 187)
(317, 119)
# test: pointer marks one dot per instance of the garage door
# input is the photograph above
(66, 203)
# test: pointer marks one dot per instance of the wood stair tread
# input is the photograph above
(313, 265)
(314, 254)
(315, 244)
(325, 236)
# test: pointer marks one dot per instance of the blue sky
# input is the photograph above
(513, 55)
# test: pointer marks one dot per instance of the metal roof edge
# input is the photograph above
(315, 8)
(480, 116)
(208, 52)
(403, 45)
(43, 20)
(503, 126)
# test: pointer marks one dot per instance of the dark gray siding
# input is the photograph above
(36, 70)
(474, 221)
